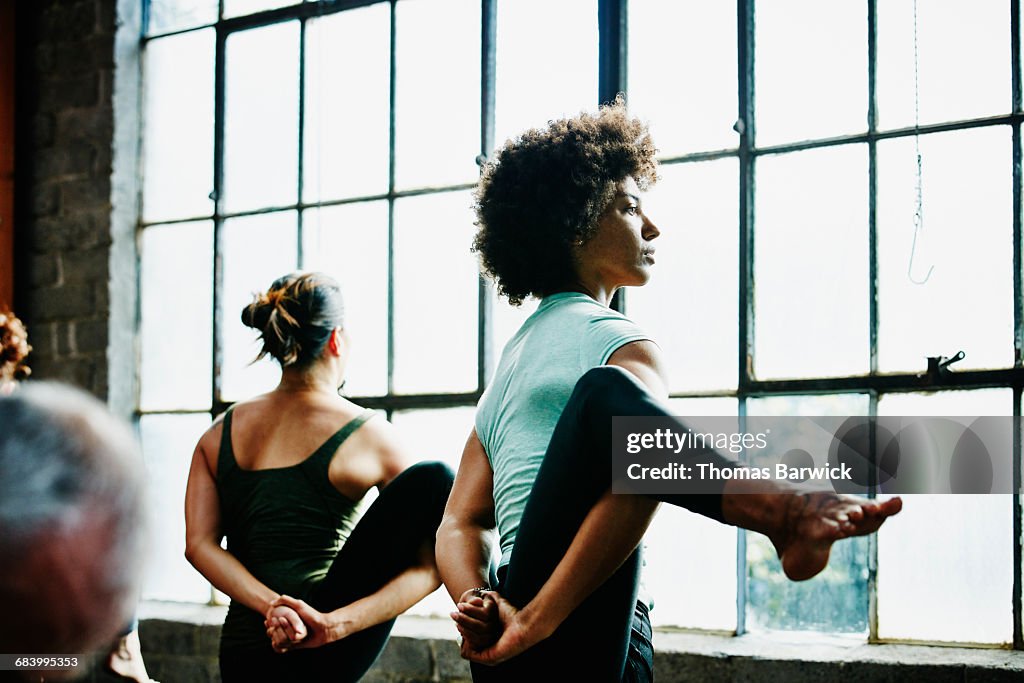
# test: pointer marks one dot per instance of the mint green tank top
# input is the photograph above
(567, 335)
(285, 524)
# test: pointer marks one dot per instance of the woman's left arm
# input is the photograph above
(395, 597)
(609, 533)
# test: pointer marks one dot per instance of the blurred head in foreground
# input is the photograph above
(70, 522)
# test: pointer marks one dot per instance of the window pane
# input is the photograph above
(690, 107)
(811, 69)
(836, 599)
(437, 144)
(172, 15)
(964, 593)
(547, 63)
(967, 303)
(350, 243)
(435, 435)
(507, 319)
(811, 263)
(347, 109)
(438, 434)
(178, 162)
(261, 134)
(963, 61)
(682, 548)
(685, 549)
(436, 282)
(177, 316)
(234, 8)
(167, 445)
(257, 251)
(690, 305)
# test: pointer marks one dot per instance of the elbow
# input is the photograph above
(192, 551)
(441, 548)
(448, 532)
(456, 528)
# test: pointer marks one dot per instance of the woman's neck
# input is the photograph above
(599, 293)
(309, 380)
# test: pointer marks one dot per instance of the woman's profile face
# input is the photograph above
(621, 252)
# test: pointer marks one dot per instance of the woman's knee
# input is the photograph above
(606, 378)
(428, 481)
(612, 388)
(433, 473)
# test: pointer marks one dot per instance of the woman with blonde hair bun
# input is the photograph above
(314, 587)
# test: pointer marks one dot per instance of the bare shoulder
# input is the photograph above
(381, 435)
(209, 442)
(372, 455)
(386, 444)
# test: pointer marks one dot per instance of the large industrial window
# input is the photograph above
(345, 135)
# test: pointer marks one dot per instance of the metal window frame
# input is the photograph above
(303, 12)
(873, 384)
(613, 75)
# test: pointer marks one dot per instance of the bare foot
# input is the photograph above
(814, 521)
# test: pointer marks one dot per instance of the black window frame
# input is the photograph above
(612, 79)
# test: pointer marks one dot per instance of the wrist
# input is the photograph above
(537, 624)
(339, 625)
(475, 592)
(268, 603)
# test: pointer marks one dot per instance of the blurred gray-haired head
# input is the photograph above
(71, 521)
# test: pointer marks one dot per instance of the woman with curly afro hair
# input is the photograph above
(561, 218)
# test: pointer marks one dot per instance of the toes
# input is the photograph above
(892, 506)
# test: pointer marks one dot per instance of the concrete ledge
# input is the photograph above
(810, 658)
(180, 645)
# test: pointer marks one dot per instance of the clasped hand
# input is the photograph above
(292, 624)
(492, 629)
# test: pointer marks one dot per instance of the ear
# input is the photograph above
(334, 342)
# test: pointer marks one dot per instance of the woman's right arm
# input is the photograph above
(203, 535)
(465, 537)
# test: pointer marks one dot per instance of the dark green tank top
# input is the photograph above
(285, 524)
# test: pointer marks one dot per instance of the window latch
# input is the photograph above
(938, 366)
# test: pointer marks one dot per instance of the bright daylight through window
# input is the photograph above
(346, 136)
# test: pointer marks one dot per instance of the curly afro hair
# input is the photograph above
(13, 348)
(544, 191)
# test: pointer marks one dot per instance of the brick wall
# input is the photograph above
(75, 217)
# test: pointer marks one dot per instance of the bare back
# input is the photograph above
(282, 428)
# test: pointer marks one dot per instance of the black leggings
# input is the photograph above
(594, 643)
(386, 541)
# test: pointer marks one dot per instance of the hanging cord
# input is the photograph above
(919, 185)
